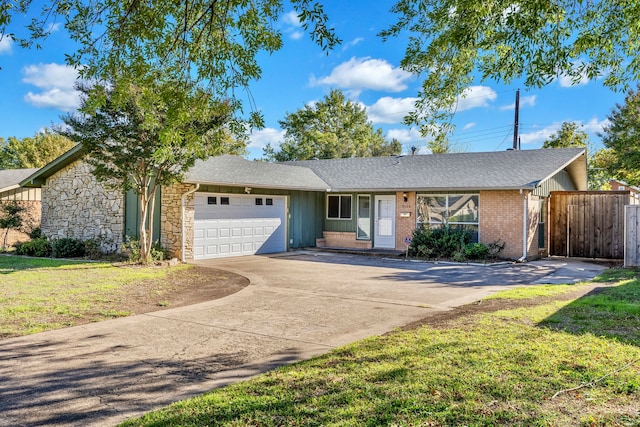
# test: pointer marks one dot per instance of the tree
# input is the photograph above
(601, 169)
(141, 137)
(331, 128)
(569, 135)
(450, 41)
(622, 137)
(11, 218)
(33, 152)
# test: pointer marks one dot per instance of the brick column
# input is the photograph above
(405, 217)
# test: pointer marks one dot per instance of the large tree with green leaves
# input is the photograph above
(451, 42)
(569, 135)
(34, 152)
(215, 43)
(334, 127)
(621, 136)
(142, 137)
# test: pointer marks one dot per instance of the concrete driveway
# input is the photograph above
(298, 305)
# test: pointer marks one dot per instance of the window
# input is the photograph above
(268, 201)
(258, 201)
(224, 200)
(339, 207)
(449, 210)
(364, 217)
(212, 200)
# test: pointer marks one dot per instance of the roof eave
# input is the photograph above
(427, 189)
(578, 174)
(254, 185)
(39, 177)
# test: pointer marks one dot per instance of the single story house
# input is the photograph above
(229, 206)
(28, 198)
(617, 185)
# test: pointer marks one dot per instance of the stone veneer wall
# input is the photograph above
(171, 220)
(75, 204)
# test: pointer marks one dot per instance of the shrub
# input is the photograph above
(131, 247)
(36, 233)
(440, 242)
(35, 247)
(476, 251)
(68, 247)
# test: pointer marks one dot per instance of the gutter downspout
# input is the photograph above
(183, 203)
(525, 215)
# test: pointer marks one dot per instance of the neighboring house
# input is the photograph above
(229, 206)
(29, 198)
(617, 185)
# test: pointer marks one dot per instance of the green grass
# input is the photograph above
(500, 368)
(39, 294)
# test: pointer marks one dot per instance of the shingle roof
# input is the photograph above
(10, 178)
(513, 169)
(234, 170)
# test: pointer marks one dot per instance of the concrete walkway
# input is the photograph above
(298, 305)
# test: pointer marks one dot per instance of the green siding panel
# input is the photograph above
(132, 215)
(559, 182)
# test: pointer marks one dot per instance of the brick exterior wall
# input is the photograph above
(31, 217)
(75, 204)
(405, 224)
(343, 239)
(501, 215)
(171, 220)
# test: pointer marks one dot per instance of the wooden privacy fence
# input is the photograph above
(587, 224)
(632, 236)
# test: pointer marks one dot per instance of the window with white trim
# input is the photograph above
(339, 206)
(448, 210)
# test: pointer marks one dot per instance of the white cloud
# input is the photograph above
(358, 74)
(406, 136)
(539, 136)
(52, 28)
(594, 125)
(390, 110)
(291, 18)
(469, 126)
(260, 138)
(567, 81)
(475, 97)
(6, 44)
(296, 35)
(352, 43)
(525, 101)
(56, 83)
(292, 25)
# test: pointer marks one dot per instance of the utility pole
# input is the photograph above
(516, 144)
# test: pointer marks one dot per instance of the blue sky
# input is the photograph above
(37, 87)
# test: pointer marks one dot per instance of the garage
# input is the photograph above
(233, 225)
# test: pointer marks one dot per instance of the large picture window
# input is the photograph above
(449, 210)
(339, 207)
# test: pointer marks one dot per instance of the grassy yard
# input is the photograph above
(38, 294)
(545, 359)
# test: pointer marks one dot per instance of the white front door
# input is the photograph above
(385, 222)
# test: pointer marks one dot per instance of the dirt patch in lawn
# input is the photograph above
(182, 287)
(444, 319)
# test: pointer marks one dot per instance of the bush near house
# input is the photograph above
(446, 242)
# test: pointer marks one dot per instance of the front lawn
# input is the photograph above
(39, 294)
(567, 355)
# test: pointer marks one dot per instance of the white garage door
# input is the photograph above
(232, 225)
